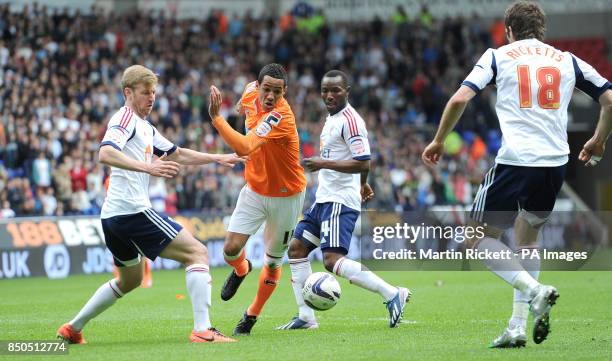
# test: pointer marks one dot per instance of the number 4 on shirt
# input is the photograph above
(325, 230)
(549, 80)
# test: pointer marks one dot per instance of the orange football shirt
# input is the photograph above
(274, 169)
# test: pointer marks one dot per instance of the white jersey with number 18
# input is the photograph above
(534, 83)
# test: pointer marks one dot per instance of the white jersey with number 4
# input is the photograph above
(344, 137)
(128, 191)
(534, 83)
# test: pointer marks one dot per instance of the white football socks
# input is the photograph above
(103, 298)
(198, 282)
(520, 305)
(352, 271)
(510, 270)
(300, 270)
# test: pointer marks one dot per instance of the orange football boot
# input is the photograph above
(210, 335)
(70, 335)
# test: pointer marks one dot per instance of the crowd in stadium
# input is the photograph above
(59, 85)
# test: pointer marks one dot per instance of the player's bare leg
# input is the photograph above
(147, 275)
(235, 256)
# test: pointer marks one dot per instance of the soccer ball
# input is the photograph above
(321, 291)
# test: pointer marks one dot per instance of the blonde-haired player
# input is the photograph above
(132, 229)
(274, 192)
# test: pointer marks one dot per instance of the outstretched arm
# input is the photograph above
(350, 166)
(344, 166)
(452, 112)
(593, 149)
(191, 157)
(241, 144)
(159, 168)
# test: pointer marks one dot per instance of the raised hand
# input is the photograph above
(214, 102)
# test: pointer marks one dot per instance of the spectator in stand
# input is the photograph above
(78, 176)
(41, 171)
(6, 211)
(157, 194)
(95, 186)
(170, 202)
(59, 72)
(61, 179)
(15, 195)
(49, 203)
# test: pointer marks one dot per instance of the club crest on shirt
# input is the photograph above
(357, 146)
(263, 129)
(273, 118)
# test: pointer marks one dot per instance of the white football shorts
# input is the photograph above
(280, 214)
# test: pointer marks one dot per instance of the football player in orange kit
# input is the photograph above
(274, 192)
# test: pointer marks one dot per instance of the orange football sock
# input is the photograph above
(240, 263)
(268, 279)
(147, 274)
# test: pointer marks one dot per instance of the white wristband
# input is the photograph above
(594, 160)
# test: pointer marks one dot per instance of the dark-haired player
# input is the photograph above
(274, 192)
(343, 170)
(534, 83)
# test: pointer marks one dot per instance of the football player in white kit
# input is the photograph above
(534, 83)
(343, 170)
(131, 227)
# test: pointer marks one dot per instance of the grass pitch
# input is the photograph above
(451, 316)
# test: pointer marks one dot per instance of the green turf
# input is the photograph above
(452, 316)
